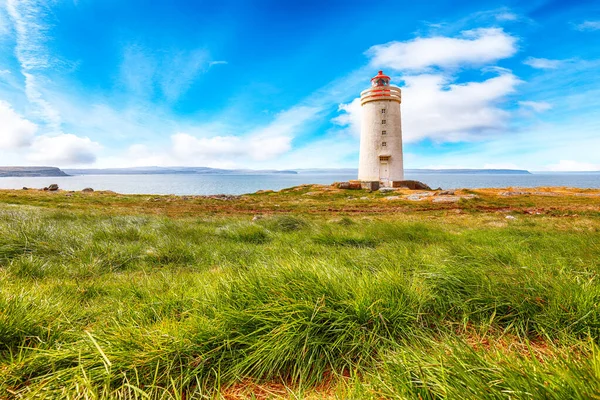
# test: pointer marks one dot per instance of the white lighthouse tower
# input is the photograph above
(380, 157)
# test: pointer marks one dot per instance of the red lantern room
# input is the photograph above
(380, 80)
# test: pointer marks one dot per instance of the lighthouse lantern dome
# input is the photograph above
(380, 80)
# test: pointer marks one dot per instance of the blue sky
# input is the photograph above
(273, 84)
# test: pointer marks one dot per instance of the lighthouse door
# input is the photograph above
(384, 172)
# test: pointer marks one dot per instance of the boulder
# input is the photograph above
(53, 187)
(387, 190)
(87, 190)
(412, 185)
(342, 185)
(25, 188)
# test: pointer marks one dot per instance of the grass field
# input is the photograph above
(328, 294)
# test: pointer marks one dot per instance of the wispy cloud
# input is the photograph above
(43, 143)
(31, 37)
(543, 63)
(587, 26)
(169, 73)
(537, 106)
(210, 64)
(506, 16)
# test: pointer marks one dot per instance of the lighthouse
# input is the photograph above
(380, 157)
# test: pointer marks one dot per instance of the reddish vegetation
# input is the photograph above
(319, 199)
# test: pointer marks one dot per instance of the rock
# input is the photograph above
(342, 185)
(25, 188)
(87, 190)
(45, 189)
(257, 217)
(53, 187)
(412, 185)
(392, 198)
(445, 193)
(510, 217)
(446, 199)
(514, 193)
(387, 190)
(370, 185)
(69, 194)
(355, 185)
(226, 197)
(364, 198)
(418, 196)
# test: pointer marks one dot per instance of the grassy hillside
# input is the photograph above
(328, 294)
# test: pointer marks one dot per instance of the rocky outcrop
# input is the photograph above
(412, 185)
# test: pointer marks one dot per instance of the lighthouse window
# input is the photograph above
(383, 144)
(384, 132)
(383, 110)
(383, 121)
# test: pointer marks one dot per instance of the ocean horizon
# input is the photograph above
(192, 184)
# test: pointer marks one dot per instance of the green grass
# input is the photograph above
(401, 305)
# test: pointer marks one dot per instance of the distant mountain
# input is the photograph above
(470, 171)
(30, 171)
(173, 170)
(419, 171)
(217, 171)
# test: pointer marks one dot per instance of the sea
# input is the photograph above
(197, 184)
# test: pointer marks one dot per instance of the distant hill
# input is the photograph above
(218, 171)
(173, 170)
(470, 171)
(31, 171)
(419, 171)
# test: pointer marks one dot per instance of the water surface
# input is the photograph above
(189, 184)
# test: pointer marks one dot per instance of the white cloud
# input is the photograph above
(472, 47)
(543, 63)
(537, 106)
(588, 26)
(263, 144)
(351, 116)
(570, 165)
(63, 150)
(434, 108)
(15, 131)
